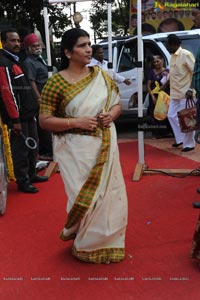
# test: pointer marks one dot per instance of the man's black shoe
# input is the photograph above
(28, 188)
(196, 204)
(176, 145)
(187, 149)
(198, 190)
(38, 178)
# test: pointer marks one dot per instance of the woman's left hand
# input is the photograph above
(105, 119)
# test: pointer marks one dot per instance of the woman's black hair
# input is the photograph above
(69, 39)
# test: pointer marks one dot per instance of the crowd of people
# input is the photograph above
(76, 108)
(19, 109)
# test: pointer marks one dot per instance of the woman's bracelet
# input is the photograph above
(68, 123)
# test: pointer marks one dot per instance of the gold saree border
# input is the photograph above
(104, 255)
(88, 190)
(57, 93)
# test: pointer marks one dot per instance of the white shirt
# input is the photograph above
(104, 65)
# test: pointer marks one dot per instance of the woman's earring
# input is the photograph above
(68, 57)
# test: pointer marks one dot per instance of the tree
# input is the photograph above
(25, 15)
(120, 17)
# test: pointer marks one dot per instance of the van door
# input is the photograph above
(127, 67)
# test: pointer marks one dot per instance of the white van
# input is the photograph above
(125, 62)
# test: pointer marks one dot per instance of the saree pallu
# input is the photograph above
(195, 251)
(90, 168)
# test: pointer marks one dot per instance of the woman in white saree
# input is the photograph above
(79, 105)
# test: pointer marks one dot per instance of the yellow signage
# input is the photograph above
(162, 16)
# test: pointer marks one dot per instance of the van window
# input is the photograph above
(105, 48)
(191, 45)
(128, 57)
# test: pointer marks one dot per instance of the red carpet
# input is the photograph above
(37, 265)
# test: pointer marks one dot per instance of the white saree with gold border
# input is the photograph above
(98, 228)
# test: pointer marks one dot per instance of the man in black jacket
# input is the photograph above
(18, 108)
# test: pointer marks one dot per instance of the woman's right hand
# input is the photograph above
(86, 123)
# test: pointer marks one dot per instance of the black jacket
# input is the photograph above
(17, 99)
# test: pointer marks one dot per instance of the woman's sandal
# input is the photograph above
(72, 236)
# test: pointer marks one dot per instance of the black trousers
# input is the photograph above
(24, 159)
(45, 141)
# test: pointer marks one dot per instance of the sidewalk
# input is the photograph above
(166, 144)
